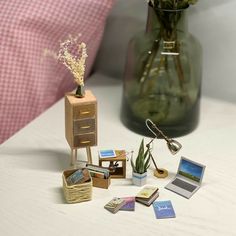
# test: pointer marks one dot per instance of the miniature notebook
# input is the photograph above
(129, 204)
(163, 209)
(114, 205)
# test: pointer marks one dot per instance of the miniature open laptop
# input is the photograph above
(188, 178)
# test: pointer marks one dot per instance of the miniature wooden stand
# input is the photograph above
(120, 171)
(81, 123)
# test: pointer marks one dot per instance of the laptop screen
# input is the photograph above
(190, 170)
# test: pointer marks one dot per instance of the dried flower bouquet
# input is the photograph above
(73, 55)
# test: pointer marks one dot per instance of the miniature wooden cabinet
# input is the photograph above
(120, 159)
(81, 123)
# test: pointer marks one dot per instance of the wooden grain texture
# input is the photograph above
(120, 171)
(80, 122)
(68, 122)
(84, 126)
(101, 183)
(79, 114)
(84, 140)
(87, 99)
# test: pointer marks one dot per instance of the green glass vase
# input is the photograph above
(162, 79)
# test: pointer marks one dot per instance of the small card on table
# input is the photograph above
(163, 209)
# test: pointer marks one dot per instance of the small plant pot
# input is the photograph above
(139, 179)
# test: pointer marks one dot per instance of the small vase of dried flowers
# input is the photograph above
(163, 72)
(80, 91)
(73, 54)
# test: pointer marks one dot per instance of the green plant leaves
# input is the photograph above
(142, 161)
(133, 166)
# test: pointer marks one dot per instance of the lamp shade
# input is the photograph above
(173, 146)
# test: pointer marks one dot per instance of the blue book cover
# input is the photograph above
(163, 209)
(75, 177)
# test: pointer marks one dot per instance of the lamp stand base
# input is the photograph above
(162, 173)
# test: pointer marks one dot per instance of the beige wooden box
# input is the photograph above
(101, 183)
(77, 192)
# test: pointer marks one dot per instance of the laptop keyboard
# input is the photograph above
(184, 185)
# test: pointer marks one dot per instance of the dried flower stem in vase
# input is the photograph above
(73, 55)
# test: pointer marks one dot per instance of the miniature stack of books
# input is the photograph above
(147, 195)
(78, 177)
(124, 204)
(98, 171)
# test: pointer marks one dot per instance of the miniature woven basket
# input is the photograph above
(77, 192)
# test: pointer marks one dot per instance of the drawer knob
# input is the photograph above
(85, 127)
(84, 112)
(85, 142)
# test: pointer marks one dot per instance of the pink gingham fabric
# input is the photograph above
(29, 81)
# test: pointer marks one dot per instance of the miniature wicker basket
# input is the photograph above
(77, 192)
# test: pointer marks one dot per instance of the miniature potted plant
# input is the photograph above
(140, 166)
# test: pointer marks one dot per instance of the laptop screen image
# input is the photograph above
(190, 170)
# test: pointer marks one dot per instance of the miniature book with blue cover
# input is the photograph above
(79, 176)
(163, 209)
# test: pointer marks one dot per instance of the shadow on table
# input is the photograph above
(59, 195)
(38, 159)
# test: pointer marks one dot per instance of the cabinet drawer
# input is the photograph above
(85, 140)
(84, 111)
(84, 126)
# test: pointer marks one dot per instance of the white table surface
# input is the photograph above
(32, 161)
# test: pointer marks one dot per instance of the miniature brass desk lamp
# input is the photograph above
(172, 145)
